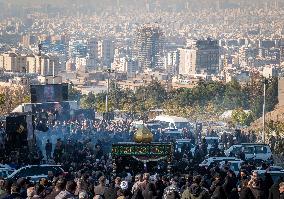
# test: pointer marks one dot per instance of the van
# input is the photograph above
(252, 151)
(172, 122)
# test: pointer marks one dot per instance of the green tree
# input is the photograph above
(2, 99)
(239, 116)
(73, 93)
(88, 101)
(233, 95)
(271, 93)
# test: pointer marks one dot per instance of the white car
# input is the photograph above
(272, 168)
(252, 151)
(235, 165)
(207, 162)
(274, 174)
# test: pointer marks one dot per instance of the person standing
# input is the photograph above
(48, 149)
(281, 190)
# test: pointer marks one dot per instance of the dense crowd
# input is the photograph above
(90, 175)
(82, 148)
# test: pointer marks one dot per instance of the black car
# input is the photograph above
(36, 172)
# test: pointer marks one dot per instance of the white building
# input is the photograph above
(81, 63)
(171, 62)
(270, 71)
(125, 64)
(200, 56)
(187, 61)
(43, 65)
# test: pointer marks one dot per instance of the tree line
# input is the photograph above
(206, 101)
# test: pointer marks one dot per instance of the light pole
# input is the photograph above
(109, 71)
(263, 110)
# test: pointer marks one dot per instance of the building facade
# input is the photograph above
(106, 51)
(148, 46)
(200, 57)
(13, 62)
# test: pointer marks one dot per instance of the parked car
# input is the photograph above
(207, 162)
(35, 172)
(274, 174)
(272, 168)
(187, 142)
(5, 170)
(234, 165)
(252, 151)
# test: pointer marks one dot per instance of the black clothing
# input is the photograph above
(274, 191)
(246, 193)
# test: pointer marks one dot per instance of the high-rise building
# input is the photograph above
(106, 51)
(148, 46)
(92, 47)
(281, 46)
(171, 62)
(187, 61)
(201, 56)
(13, 62)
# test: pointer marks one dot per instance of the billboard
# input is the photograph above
(49, 93)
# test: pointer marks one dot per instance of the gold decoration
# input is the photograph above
(20, 129)
(143, 135)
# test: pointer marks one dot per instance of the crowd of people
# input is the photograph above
(88, 180)
(83, 149)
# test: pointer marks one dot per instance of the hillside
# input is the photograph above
(276, 115)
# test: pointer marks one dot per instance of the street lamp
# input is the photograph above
(265, 81)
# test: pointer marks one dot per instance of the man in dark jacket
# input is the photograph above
(48, 149)
(230, 185)
(245, 192)
(15, 192)
(69, 191)
(217, 189)
(195, 191)
(172, 191)
(257, 188)
(60, 185)
(274, 190)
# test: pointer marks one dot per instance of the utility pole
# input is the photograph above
(109, 71)
(53, 72)
(39, 53)
(263, 110)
